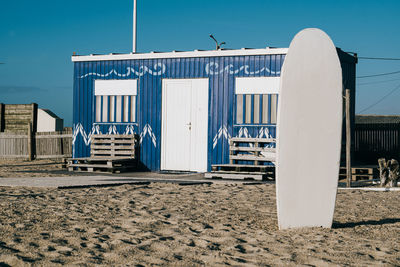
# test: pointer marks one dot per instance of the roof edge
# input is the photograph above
(347, 57)
(188, 54)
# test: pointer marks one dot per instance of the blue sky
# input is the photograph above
(37, 39)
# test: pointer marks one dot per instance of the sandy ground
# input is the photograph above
(36, 168)
(168, 224)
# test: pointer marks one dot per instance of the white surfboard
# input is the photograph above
(309, 132)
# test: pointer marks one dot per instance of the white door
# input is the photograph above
(184, 125)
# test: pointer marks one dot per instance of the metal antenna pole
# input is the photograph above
(134, 27)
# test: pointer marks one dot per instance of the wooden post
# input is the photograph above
(34, 129)
(30, 141)
(348, 138)
(60, 144)
(1, 117)
(34, 111)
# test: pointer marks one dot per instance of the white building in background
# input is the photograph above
(47, 121)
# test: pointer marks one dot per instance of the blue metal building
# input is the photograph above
(183, 105)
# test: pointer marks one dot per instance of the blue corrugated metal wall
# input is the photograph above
(221, 72)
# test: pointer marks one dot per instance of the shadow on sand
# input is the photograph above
(337, 225)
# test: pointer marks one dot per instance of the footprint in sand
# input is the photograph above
(194, 230)
(241, 249)
(45, 235)
(59, 261)
(178, 257)
(240, 260)
(207, 226)
(214, 246)
(33, 244)
(241, 240)
(28, 259)
(5, 246)
(165, 238)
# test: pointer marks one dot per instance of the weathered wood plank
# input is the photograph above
(252, 158)
(130, 141)
(52, 156)
(52, 136)
(112, 153)
(237, 176)
(13, 156)
(12, 136)
(14, 111)
(114, 136)
(252, 149)
(114, 146)
(101, 159)
(17, 117)
(18, 106)
(106, 166)
(249, 140)
(244, 166)
(240, 168)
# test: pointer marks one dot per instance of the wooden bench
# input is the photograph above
(242, 152)
(108, 153)
(106, 145)
(256, 150)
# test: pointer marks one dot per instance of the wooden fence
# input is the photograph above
(373, 141)
(42, 145)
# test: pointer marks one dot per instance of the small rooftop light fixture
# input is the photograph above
(218, 46)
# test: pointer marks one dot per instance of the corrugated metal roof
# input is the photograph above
(370, 119)
(178, 54)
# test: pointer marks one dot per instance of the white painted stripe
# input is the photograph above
(188, 54)
(257, 85)
(115, 87)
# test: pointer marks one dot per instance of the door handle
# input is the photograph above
(190, 125)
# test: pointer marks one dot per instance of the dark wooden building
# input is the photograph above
(376, 136)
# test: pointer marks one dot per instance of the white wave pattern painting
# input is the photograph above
(214, 69)
(160, 68)
(157, 70)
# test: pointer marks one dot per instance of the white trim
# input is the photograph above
(257, 85)
(115, 87)
(188, 54)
